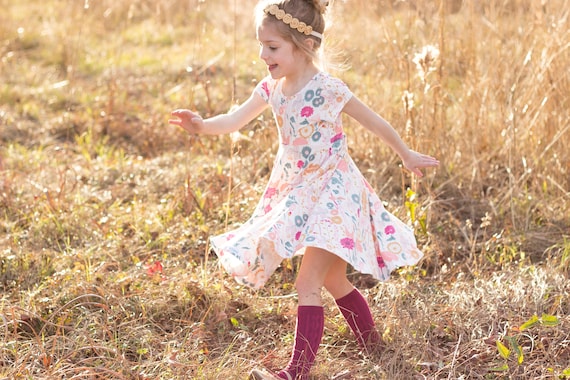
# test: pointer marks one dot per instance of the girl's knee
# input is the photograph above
(307, 285)
(308, 290)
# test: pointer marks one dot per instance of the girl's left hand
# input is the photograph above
(414, 161)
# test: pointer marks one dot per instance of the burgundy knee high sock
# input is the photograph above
(356, 311)
(308, 334)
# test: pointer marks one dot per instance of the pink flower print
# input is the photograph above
(343, 165)
(300, 164)
(380, 261)
(298, 235)
(267, 209)
(359, 246)
(389, 256)
(336, 137)
(390, 230)
(307, 111)
(271, 191)
(265, 88)
(300, 141)
(347, 243)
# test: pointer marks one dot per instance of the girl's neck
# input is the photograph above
(295, 83)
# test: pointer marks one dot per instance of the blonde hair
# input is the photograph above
(311, 12)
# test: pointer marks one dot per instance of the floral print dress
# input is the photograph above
(316, 196)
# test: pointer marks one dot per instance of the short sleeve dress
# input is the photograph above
(316, 196)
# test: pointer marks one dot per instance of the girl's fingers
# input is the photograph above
(428, 161)
(421, 161)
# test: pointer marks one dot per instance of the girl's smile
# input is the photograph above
(283, 58)
(277, 53)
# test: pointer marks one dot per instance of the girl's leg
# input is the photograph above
(315, 266)
(352, 305)
(336, 282)
(310, 315)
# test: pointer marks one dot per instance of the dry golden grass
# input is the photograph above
(106, 210)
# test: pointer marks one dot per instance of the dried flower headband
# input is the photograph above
(293, 22)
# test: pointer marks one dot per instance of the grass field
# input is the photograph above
(105, 270)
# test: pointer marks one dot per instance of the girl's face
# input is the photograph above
(282, 57)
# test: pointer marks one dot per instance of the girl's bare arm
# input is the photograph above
(220, 124)
(412, 160)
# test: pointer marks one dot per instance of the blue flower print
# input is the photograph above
(319, 101)
(316, 136)
(300, 220)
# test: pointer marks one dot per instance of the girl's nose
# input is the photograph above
(263, 53)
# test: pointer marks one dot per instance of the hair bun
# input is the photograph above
(321, 5)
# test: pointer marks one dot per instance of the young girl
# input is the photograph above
(317, 202)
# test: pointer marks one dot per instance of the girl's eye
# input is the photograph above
(271, 48)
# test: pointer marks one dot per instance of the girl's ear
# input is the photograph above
(310, 43)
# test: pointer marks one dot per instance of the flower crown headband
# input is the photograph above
(293, 22)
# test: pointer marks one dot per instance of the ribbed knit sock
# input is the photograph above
(356, 311)
(308, 335)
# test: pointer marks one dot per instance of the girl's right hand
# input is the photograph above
(414, 161)
(189, 121)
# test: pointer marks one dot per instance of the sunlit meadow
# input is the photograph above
(106, 210)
